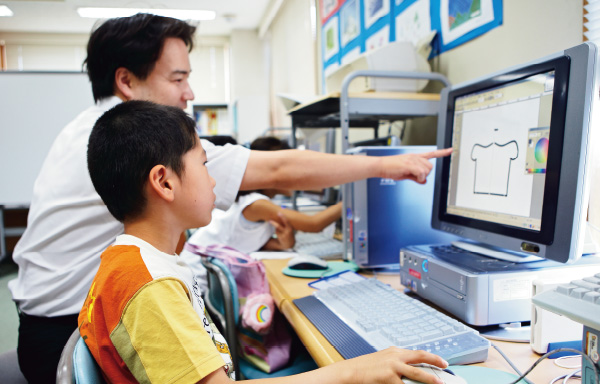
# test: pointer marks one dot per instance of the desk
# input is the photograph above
(285, 289)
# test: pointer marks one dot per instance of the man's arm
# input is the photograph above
(304, 170)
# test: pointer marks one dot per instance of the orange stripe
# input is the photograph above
(123, 263)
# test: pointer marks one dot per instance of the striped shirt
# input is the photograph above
(145, 321)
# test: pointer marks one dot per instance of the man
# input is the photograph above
(143, 57)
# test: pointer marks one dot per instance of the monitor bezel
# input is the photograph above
(582, 113)
(561, 67)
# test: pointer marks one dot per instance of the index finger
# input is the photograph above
(437, 153)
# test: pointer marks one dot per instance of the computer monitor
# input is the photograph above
(518, 178)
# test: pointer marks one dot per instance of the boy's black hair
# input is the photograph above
(134, 43)
(127, 142)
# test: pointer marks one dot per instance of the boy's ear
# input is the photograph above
(124, 82)
(161, 182)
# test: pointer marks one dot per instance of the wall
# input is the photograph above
(66, 52)
(48, 52)
(249, 84)
(293, 65)
(531, 29)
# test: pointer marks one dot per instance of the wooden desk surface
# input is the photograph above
(285, 289)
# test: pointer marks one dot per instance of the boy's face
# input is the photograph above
(167, 84)
(197, 197)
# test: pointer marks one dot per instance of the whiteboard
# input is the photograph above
(34, 107)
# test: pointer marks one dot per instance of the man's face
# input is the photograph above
(167, 84)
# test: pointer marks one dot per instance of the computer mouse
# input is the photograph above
(307, 262)
(445, 374)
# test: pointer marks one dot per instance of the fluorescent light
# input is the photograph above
(182, 14)
(5, 11)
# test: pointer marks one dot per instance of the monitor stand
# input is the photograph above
(488, 251)
(516, 332)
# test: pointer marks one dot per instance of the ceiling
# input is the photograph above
(60, 16)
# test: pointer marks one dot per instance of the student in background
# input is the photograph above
(251, 222)
(149, 167)
(142, 57)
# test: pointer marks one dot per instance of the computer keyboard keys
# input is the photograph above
(390, 317)
(585, 284)
(579, 304)
(565, 288)
(592, 297)
(578, 292)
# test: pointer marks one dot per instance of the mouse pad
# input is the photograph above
(478, 375)
(333, 267)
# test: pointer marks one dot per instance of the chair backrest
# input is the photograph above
(223, 305)
(76, 364)
(222, 302)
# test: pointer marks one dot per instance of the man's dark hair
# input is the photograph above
(134, 43)
(127, 142)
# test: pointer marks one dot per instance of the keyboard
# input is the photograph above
(375, 315)
(318, 244)
(578, 300)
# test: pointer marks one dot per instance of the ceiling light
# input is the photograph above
(182, 14)
(5, 11)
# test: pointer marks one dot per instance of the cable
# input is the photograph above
(572, 374)
(566, 377)
(589, 359)
(556, 362)
(510, 363)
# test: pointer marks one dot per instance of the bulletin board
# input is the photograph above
(351, 27)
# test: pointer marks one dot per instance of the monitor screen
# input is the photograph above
(516, 177)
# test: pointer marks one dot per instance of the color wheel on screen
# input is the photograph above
(541, 150)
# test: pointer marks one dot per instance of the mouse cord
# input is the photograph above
(585, 356)
(511, 363)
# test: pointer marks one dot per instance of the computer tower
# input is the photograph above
(383, 215)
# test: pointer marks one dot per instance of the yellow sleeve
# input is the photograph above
(161, 338)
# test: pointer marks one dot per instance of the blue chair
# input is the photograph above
(223, 305)
(76, 364)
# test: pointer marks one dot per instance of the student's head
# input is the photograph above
(139, 145)
(142, 57)
(220, 139)
(269, 143)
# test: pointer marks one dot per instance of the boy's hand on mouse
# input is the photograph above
(414, 167)
(284, 231)
(390, 365)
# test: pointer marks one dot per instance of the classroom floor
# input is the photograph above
(9, 320)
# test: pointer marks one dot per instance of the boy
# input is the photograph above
(144, 319)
